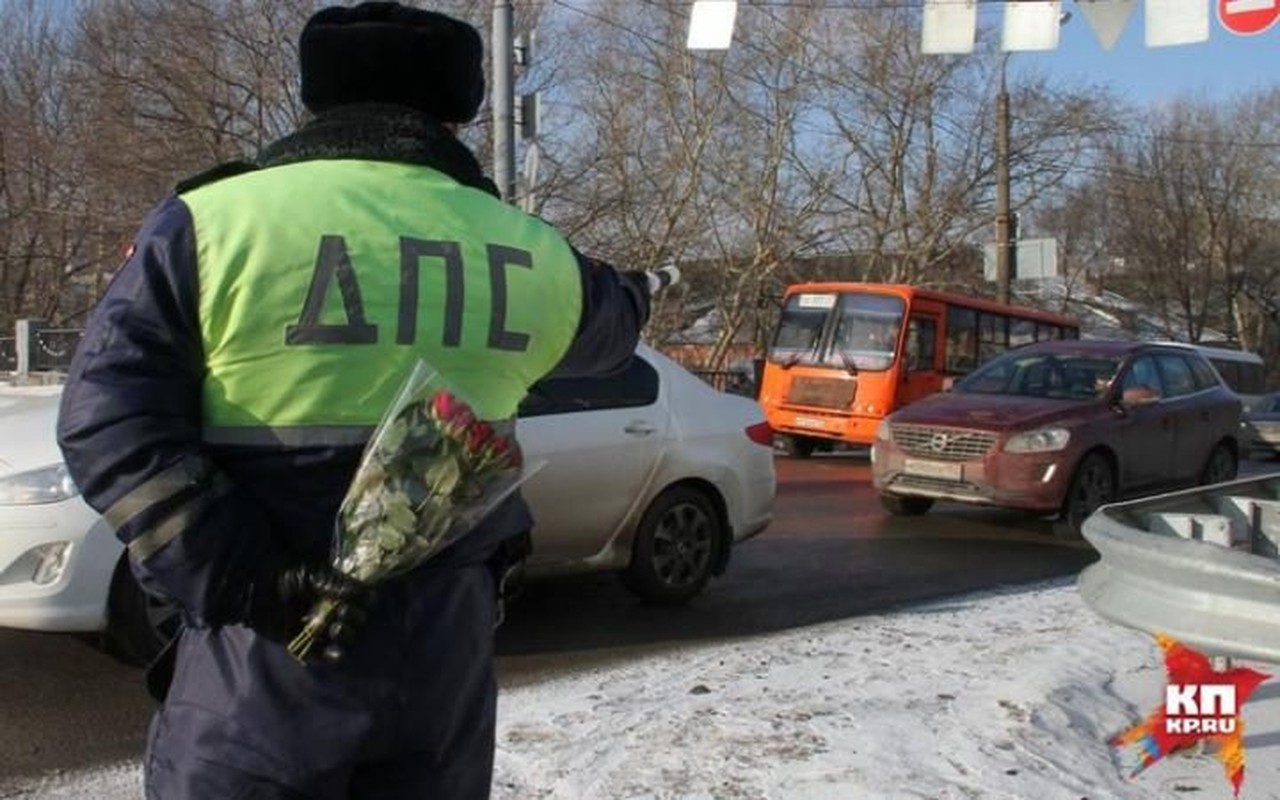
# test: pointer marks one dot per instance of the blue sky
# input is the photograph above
(1225, 65)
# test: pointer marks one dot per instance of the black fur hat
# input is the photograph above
(381, 52)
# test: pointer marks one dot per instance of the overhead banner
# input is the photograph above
(711, 24)
(1108, 18)
(950, 26)
(1031, 25)
(1171, 22)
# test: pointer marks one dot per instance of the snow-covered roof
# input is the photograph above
(1103, 314)
(704, 330)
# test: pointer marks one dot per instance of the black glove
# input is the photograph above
(281, 603)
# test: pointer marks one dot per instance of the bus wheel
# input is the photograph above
(797, 446)
(903, 506)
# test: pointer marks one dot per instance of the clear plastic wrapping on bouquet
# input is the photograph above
(431, 472)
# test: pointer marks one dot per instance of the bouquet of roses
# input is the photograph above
(429, 474)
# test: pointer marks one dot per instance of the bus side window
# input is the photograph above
(962, 339)
(922, 343)
(1046, 332)
(1021, 331)
(993, 336)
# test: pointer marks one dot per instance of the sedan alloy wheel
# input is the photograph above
(676, 547)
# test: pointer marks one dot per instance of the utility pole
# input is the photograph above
(1007, 232)
(1004, 241)
(503, 99)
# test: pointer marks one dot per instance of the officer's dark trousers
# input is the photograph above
(409, 713)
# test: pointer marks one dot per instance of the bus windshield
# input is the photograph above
(866, 332)
(804, 318)
(851, 330)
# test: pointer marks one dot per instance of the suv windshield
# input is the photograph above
(1059, 376)
(852, 330)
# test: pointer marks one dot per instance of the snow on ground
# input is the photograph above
(1007, 694)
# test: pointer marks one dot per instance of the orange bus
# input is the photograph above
(845, 355)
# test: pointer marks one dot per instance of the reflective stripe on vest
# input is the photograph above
(323, 283)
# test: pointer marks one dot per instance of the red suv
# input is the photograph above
(1060, 428)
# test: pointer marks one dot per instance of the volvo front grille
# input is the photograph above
(945, 444)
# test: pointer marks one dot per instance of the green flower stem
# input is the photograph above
(317, 622)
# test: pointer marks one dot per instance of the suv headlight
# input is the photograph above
(1045, 440)
(883, 434)
(50, 484)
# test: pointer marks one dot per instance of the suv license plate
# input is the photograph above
(810, 422)
(933, 469)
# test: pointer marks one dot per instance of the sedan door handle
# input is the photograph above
(639, 428)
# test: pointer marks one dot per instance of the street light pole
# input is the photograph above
(1004, 241)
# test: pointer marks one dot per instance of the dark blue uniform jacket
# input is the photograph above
(230, 516)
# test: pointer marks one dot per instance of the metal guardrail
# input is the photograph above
(730, 381)
(1200, 565)
(52, 348)
(8, 353)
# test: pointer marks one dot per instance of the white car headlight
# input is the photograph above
(50, 484)
(1045, 440)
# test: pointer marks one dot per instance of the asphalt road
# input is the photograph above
(831, 554)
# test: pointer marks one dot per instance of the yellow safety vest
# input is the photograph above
(323, 283)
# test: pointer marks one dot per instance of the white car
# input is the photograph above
(650, 473)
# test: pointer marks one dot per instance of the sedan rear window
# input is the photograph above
(637, 385)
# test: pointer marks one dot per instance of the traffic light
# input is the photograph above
(527, 114)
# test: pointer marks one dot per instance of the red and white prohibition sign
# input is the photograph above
(1248, 17)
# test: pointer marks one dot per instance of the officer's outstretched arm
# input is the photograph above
(130, 431)
(615, 307)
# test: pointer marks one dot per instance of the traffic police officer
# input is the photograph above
(227, 381)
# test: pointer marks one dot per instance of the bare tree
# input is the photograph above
(687, 156)
(915, 140)
(1194, 211)
(42, 209)
(822, 137)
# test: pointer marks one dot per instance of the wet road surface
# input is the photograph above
(832, 553)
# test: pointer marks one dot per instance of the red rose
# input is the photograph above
(444, 406)
(478, 435)
(453, 414)
(503, 449)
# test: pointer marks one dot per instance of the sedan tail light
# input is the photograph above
(761, 434)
